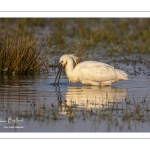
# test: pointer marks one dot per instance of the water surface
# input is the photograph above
(43, 107)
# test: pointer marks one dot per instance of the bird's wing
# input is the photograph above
(97, 72)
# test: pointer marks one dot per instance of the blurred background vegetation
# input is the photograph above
(27, 44)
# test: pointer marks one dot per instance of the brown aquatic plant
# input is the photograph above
(20, 53)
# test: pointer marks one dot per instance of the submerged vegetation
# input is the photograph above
(116, 114)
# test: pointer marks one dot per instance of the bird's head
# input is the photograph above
(65, 58)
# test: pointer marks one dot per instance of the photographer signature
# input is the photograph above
(10, 120)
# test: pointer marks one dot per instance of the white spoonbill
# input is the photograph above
(89, 72)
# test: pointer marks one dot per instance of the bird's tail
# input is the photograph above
(121, 75)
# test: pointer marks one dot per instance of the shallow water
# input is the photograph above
(72, 107)
(33, 104)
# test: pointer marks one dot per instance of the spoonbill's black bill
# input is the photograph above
(56, 82)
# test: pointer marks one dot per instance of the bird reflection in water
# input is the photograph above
(93, 96)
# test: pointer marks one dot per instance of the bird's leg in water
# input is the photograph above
(106, 83)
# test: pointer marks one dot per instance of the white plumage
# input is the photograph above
(90, 72)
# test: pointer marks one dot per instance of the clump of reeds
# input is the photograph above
(19, 53)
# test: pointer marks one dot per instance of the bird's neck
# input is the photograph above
(69, 68)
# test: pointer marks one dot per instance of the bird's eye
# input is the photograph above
(61, 61)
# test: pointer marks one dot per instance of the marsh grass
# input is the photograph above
(113, 114)
(115, 40)
(51, 114)
(19, 53)
(85, 48)
(121, 42)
